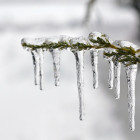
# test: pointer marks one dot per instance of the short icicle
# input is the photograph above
(111, 74)
(35, 58)
(56, 64)
(131, 72)
(79, 55)
(94, 63)
(41, 72)
(117, 72)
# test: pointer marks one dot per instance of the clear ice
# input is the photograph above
(35, 58)
(38, 58)
(131, 72)
(117, 73)
(79, 55)
(94, 63)
(111, 74)
(114, 67)
(56, 64)
(41, 72)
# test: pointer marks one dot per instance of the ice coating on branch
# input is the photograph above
(117, 73)
(66, 39)
(94, 35)
(35, 58)
(80, 40)
(94, 63)
(120, 43)
(56, 64)
(131, 72)
(79, 56)
(41, 72)
(53, 39)
(33, 41)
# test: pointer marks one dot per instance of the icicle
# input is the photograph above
(79, 55)
(41, 61)
(94, 63)
(111, 74)
(131, 72)
(35, 58)
(117, 72)
(56, 63)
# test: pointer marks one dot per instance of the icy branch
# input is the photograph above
(116, 53)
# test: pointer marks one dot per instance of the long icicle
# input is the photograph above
(94, 63)
(35, 58)
(111, 74)
(79, 55)
(56, 64)
(131, 72)
(117, 73)
(41, 72)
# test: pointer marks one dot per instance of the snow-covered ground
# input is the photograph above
(26, 112)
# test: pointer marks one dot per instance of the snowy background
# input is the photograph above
(26, 113)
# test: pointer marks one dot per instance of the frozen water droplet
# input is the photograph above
(79, 55)
(94, 63)
(56, 64)
(131, 72)
(117, 72)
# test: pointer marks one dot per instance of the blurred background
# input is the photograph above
(26, 113)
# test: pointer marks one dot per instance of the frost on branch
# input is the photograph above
(115, 52)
